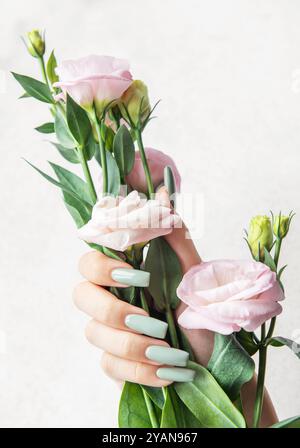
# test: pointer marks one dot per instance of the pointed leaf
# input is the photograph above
(230, 365)
(78, 121)
(63, 134)
(246, 340)
(51, 66)
(280, 342)
(73, 182)
(172, 413)
(35, 88)
(78, 210)
(268, 260)
(292, 422)
(46, 128)
(124, 152)
(208, 402)
(114, 181)
(55, 182)
(67, 153)
(166, 274)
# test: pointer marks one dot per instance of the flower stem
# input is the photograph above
(139, 139)
(172, 328)
(277, 250)
(43, 70)
(151, 410)
(87, 175)
(102, 155)
(260, 386)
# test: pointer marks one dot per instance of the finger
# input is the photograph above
(103, 306)
(135, 372)
(102, 270)
(132, 346)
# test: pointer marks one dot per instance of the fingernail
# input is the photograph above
(147, 325)
(131, 277)
(167, 355)
(175, 374)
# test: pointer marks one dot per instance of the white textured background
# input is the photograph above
(228, 76)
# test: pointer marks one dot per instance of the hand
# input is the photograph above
(115, 326)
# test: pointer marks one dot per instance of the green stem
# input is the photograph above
(139, 139)
(43, 70)
(172, 328)
(87, 175)
(271, 328)
(144, 302)
(102, 155)
(260, 386)
(151, 410)
(277, 250)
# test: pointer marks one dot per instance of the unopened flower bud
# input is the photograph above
(35, 43)
(260, 235)
(281, 226)
(136, 102)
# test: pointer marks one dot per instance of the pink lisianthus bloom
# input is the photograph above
(118, 223)
(157, 160)
(93, 80)
(227, 295)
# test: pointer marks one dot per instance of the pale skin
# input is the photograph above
(123, 356)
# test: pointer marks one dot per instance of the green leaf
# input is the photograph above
(24, 95)
(114, 181)
(292, 422)
(90, 148)
(46, 128)
(132, 409)
(124, 150)
(268, 260)
(78, 121)
(208, 402)
(156, 395)
(107, 135)
(230, 365)
(172, 414)
(63, 134)
(51, 66)
(73, 182)
(35, 88)
(166, 274)
(78, 210)
(280, 342)
(247, 341)
(67, 153)
(56, 183)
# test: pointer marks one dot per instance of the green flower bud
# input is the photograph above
(35, 44)
(281, 226)
(136, 100)
(260, 235)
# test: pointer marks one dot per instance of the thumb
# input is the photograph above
(182, 244)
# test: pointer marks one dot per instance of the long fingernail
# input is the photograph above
(175, 374)
(131, 277)
(147, 325)
(167, 355)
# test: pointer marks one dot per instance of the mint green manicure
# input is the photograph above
(147, 325)
(167, 355)
(175, 374)
(131, 277)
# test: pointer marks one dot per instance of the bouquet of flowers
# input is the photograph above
(98, 111)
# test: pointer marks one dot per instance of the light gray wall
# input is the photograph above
(228, 76)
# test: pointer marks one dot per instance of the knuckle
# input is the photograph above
(127, 345)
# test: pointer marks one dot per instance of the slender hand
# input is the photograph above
(124, 355)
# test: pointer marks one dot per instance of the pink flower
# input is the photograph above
(227, 295)
(157, 161)
(117, 223)
(94, 79)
